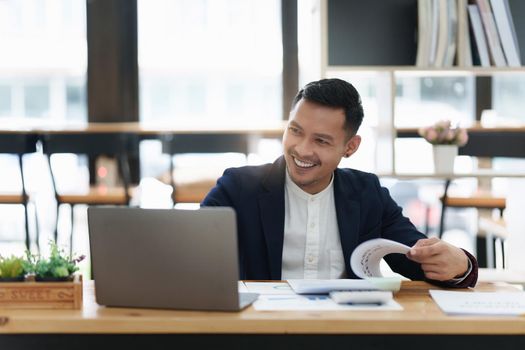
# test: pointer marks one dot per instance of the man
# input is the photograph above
(302, 216)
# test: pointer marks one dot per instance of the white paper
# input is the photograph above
(367, 256)
(313, 303)
(327, 286)
(362, 297)
(480, 303)
(242, 287)
(273, 288)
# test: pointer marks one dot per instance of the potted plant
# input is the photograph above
(58, 267)
(12, 269)
(445, 140)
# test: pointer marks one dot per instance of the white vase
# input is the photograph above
(444, 156)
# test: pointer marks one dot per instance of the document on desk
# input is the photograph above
(291, 302)
(480, 303)
(242, 287)
(367, 256)
(266, 288)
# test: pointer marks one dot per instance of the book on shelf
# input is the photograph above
(466, 33)
(446, 34)
(479, 36)
(437, 33)
(452, 32)
(491, 32)
(434, 5)
(424, 32)
(506, 31)
(464, 53)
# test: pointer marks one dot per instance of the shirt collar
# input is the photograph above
(305, 195)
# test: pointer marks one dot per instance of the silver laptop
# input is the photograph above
(166, 258)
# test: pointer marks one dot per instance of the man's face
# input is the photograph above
(314, 143)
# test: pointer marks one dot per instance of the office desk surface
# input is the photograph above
(420, 316)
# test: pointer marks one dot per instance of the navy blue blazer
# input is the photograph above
(365, 210)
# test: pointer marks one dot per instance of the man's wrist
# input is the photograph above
(457, 280)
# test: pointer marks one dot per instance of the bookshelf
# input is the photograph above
(381, 33)
(379, 38)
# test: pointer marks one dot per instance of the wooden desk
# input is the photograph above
(267, 129)
(420, 325)
(192, 134)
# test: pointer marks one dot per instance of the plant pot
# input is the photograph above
(12, 279)
(53, 279)
(444, 156)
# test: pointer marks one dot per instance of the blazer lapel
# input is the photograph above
(271, 209)
(348, 211)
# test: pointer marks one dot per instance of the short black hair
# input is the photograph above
(335, 93)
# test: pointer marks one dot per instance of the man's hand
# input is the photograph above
(439, 260)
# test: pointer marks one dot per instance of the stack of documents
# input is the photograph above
(327, 286)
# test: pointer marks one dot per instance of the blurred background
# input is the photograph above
(226, 63)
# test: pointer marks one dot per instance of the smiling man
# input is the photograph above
(302, 216)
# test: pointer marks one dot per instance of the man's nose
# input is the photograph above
(304, 148)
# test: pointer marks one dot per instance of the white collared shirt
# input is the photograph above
(312, 247)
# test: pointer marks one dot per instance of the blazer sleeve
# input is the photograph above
(398, 228)
(223, 194)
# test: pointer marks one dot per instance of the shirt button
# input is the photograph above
(310, 259)
(312, 225)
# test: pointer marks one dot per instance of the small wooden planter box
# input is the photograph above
(41, 295)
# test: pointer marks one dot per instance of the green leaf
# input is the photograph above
(12, 267)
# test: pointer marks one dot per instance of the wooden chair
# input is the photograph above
(194, 192)
(477, 201)
(19, 144)
(484, 243)
(116, 145)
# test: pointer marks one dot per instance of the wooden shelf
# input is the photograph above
(344, 54)
(428, 71)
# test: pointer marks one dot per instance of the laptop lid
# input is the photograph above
(165, 258)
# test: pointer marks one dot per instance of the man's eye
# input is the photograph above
(293, 130)
(322, 142)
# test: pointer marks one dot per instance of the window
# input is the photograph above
(43, 64)
(421, 101)
(424, 100)
(43, 49)
(367, 84)
(508, 90)
(5, 99)
(210, 60)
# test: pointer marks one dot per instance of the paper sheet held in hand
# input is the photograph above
(365, 263)
(366, 257)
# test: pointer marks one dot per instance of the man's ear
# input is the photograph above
(352, 145)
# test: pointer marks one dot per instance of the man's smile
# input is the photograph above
(303, 164)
